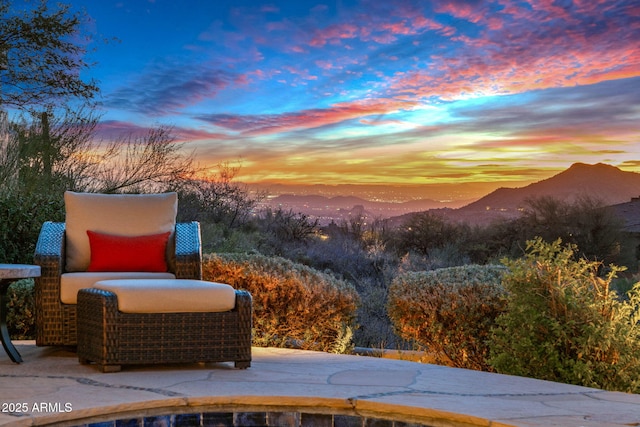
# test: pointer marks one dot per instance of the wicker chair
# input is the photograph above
(64, 254)
(123, 282)
(56, 321)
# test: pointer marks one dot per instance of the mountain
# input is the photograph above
(600, 182)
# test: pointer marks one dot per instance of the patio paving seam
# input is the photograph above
(91, 382)
(444, 393)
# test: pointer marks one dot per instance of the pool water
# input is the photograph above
(251, 419)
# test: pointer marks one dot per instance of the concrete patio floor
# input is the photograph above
(291, 387)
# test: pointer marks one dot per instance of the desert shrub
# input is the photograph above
(449, 312)
(293, 304)
(217, 237)
(425, 231)
(564, 323)
(21, 312)
(343, 255)
(375, 329)
(585, 222)
(363, 262)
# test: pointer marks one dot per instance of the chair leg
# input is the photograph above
(242, 364)
(110, 368)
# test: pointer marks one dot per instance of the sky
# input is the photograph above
(404, 93)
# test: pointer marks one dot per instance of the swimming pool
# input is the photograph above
(254, 417)
(251, 419)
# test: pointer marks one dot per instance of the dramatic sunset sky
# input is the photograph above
(377, 92)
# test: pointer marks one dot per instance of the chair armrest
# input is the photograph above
(50, 249)
(49, 255)
(107, 304)
(244, 308)
(98, 310)
(188, 251)
(244, 302)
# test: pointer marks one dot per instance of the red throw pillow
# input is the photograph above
(124, 253)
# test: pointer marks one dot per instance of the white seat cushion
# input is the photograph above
(170, 296)
(117, 214)
(71, 283)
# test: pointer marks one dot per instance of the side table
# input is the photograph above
(9, 273)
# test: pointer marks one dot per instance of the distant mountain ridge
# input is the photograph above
(600, 181)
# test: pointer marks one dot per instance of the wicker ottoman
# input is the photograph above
(163, 321)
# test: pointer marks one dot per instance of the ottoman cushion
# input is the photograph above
(170, 296)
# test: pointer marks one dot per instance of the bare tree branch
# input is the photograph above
(152, 162)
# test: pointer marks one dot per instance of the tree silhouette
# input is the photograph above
(40, 61)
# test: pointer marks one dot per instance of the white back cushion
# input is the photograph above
(119, 214)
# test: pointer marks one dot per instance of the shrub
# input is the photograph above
(449, 311)
(565, 324)
(217, 237)
(375, 329)
(21, 312)
(22, 217)
(293, 304)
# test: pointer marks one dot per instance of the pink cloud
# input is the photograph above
(420, 22)
(306, 119)
(511, 56)
(470, 11)
(552, 11)
(381, 28)
(398, 28)
(333, 33)
(301, 73)
(325, 65)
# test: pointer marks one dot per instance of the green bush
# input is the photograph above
(218, 237)
(449, 312)
(23, 214)
(21, 312)
(564, 323)
(294, 305)
(22, 217)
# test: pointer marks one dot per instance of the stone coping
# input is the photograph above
(285, 381)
